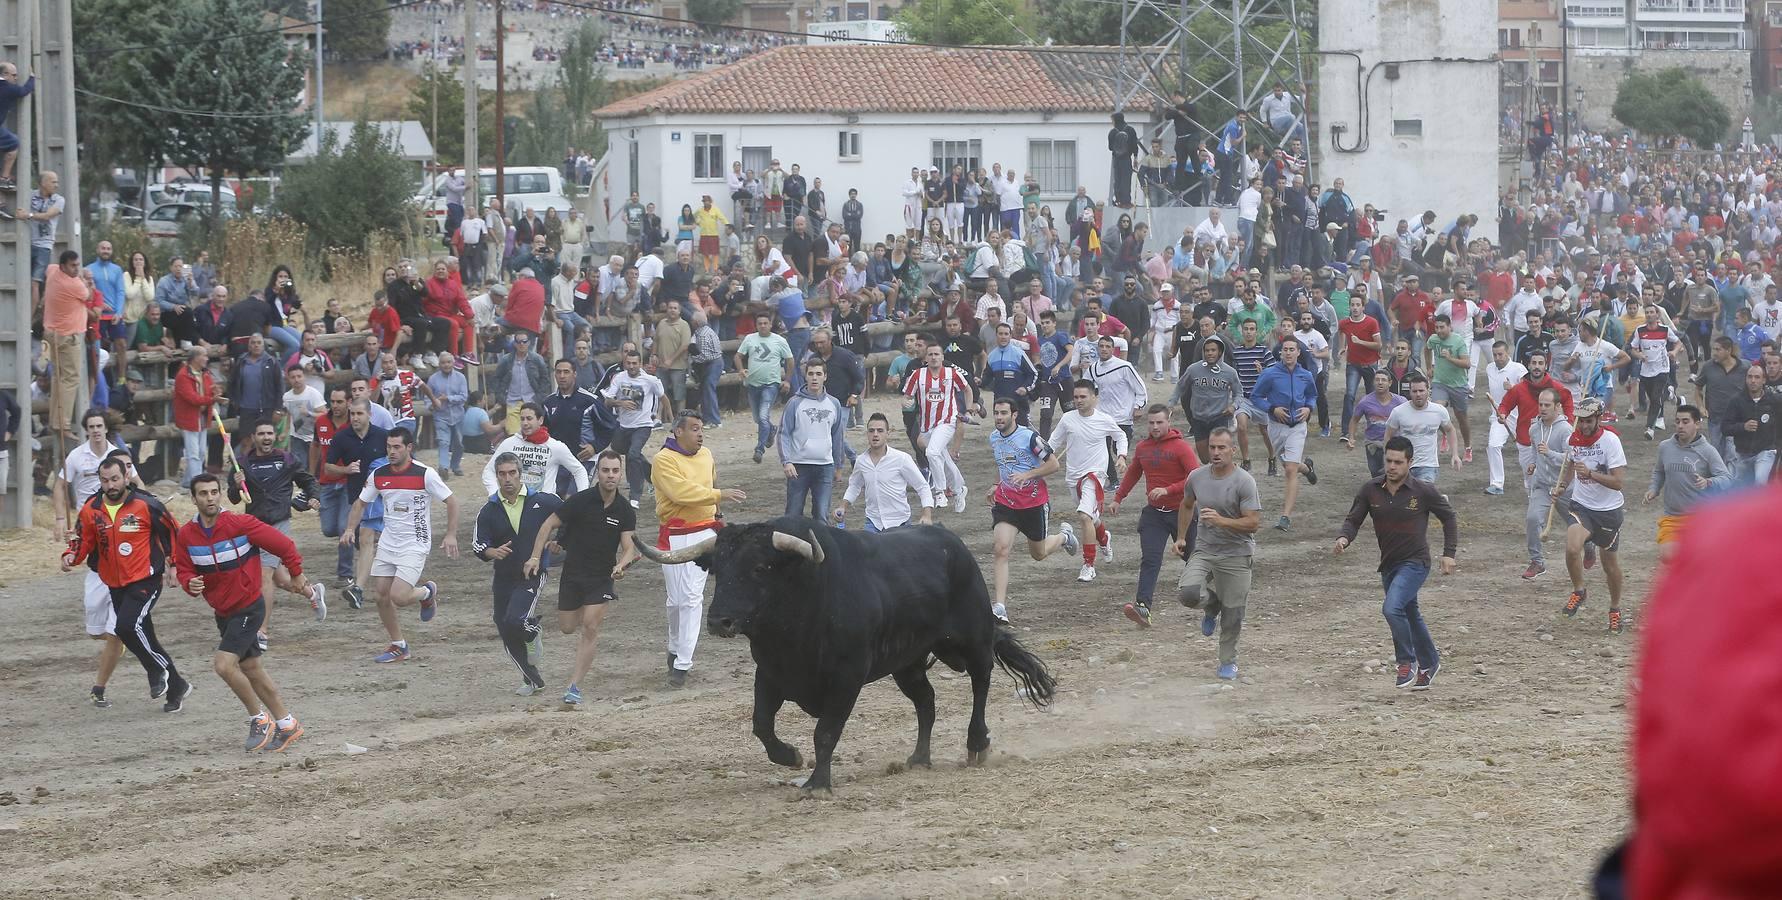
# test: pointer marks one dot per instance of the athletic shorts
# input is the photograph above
(1604, 526)
(240, 630)
(1031, 522)
(101, 617)
(269, 559)
(116, 329)
(1289, 441)
(1251, 411)
(1455, 398)
(408, 568)
(1202, 429)
(575, 593)
(1670, 529)
(1089, 494)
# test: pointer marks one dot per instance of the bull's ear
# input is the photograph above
(810, 549)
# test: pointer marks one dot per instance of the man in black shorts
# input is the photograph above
(594, 531)
(217, 555)
(508, 524)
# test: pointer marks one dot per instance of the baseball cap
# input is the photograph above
(1589, 407)
(1166, 287)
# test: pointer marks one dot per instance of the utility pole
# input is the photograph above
(500, 106)
(472, 202)
(433, 69)
(318, 97)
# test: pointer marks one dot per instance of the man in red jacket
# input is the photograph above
(1524, 400)
(445, 300)
(217, 555)
(193, 393)
(1410, 310)
(1165, 458)
(525, 304)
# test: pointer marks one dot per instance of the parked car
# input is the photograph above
(535, 187)
(187, 192)
(165, 221)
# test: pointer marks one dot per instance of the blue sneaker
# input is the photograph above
(430, 604)
(1228, 671)
(1494, 490)
(392, 654)
(1209, 623)
(573, 696)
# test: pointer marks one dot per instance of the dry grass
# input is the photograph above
(248, 249)
(378, 90)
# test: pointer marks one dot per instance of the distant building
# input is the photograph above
(866, 31)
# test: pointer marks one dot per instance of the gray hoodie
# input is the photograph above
(1677, 467)
(1558, 438)
(1207, 391)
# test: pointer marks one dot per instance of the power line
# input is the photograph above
(282, 29)
(184, 112)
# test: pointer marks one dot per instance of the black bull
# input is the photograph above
(828, 611)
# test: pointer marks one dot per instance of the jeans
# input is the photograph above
(1323, 384)
(1425, 474)
(798, 339)
(1376, 458)
(814, 480)
(336, 506)
(1157, 529)
(451, 447)
(569, 324)
(1411, 642)
(286, 338)
(1247, 231)
(709, 373)
(761, 400)
(1357, 381)
(630, 442)
(1755, 469)
(195, 445)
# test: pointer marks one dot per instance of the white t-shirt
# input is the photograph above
(1459, 313)
(1768, 316)
(643, 389)
(1499, 381)
(1602, 456)
(303, 408)
(1315, 342)
(471, 230)
(81, 470)
(408, 497)
(1083, 440)
(1422, 427)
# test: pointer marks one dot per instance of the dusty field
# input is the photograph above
(1148, 777)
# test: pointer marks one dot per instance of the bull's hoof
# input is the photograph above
(919, 760)
(977, 758)
(790, 758)
(810, 793)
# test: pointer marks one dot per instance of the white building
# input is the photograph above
(1658, 24)
(1043, 110)
(867, 31)
(1421, 132)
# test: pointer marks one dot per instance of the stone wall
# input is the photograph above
(1725, 72)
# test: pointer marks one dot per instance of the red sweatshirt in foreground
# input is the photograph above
(228, 556)
(1165, 464)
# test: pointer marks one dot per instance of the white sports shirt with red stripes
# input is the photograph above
(937, 394)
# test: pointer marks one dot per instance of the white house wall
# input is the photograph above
(889, 147)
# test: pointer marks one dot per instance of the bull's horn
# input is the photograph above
(674, 557)
(811, 549)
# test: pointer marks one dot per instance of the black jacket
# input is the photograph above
(272, 385)
(493, 529)
(269, 480)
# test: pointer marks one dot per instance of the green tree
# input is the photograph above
(357, 29)
(117, 132)
(244, 87)
(448, 144)
(584, 87)
(713, 13)
(346, 194)
(960, 22)
(1672, 103)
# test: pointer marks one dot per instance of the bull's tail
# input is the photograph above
(1036, 680)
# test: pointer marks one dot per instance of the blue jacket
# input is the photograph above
(1278, 388)
(108, 277)
(1007, 369)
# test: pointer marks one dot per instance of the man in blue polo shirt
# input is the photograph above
(351, 455)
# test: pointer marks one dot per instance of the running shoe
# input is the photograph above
(1000, 613)
(1284, 524)
(393, 654)
(1659, 424)
(6, 214)
(1589, 556)
(1228, 671)
(1534, 570)
(284, 737)
(526, 689)
(355, 596)
(1071, 543)
(178, 689)
(1246, 465)
(262, 641)
(677, 678)
(1573, 602)
(259, 732)
(1648, 434)
(1609, 417)
(959, 499)
(1324, 432)
(157, 686)
(1493, 490)
(1086, 573)
(430, 603)
(1426, 677)
(1107, 550)
(573, 696)
(1156, 376)
(1614, 621)
(1139, 613)
(1406, 677)
(1209, 623)
(318, 600)
(1467, 457)
(757, 454)
(469, 359)
(7, 184)
(1272, 470)
(97, 695)
(1310, 472)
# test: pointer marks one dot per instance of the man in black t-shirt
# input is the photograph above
(594, 529)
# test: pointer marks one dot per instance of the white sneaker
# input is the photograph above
(959, 499)
(431, 359)
(1660, 424)
(1107, 550)
(1087, 573)
(1071, 544)
(525, 689)
(940, 498)
(318, 600)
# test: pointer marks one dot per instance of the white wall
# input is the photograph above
(1452, 166)
(889, 146)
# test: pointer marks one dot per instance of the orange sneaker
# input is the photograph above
(1614, 621)
(284, 737)
(1574, 601)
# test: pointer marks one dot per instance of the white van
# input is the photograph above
(537, 187)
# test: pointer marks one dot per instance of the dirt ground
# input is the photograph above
(1147, 777)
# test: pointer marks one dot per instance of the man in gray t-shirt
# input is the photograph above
(1221, 501)
(1423, 423)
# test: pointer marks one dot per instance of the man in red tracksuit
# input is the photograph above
(1524, 400)
(217, 554)
(1165, 458)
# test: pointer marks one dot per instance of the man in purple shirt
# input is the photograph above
(1373, 410)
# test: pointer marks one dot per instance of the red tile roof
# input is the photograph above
(900, 78)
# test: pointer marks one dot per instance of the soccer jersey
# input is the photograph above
(1083, 439)
(408, 494)
(1601, 452)
(936, 395)
(1021, 450)
(399, 393)
(1652, 345)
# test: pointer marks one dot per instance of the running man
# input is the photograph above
(1501, 374)
(1551, 434)
(883, 477)
(685, 475)
(266, 475)
(1165, 459)
(542, 457)
(1598, 465)
(1020, 503)
(1208, 393)
(79, 475)
(213, 556)
(1422, 422)
(1082, 438)
(507, 525)
(1249, 357)
(1451, 384)
(1287, 392)
(937, 388)
(126, 535)
(409, 490)
(1687, 468)
(593, 530)
(1401, 507)
(1221, 503)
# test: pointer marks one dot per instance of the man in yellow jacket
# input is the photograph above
(685, 475)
